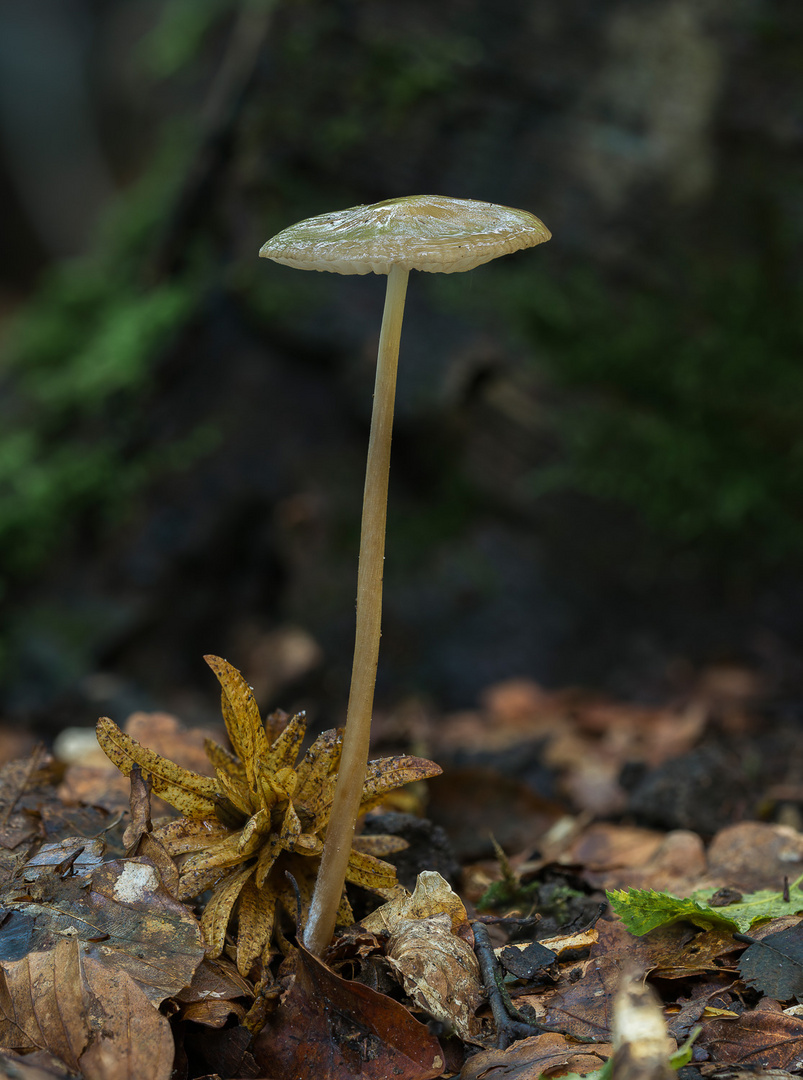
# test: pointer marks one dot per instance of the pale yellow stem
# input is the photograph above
(351, 774)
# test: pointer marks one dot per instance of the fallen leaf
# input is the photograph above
(439, 971)
(582, 1002)
(643, 910)
(16, 779)
(528, 960)
(530, 1059)
(566, 945)
(125, 918)
(131, 1039)
(774, 965)
(93, 1018)
(330, 1027)
(42, 1005)
(73, 855)
(703, 953)
(757, 1039)
(217, 992)
(432, 895)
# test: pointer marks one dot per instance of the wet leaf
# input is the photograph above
(348, 1030)
(124, 919)
(774, 965)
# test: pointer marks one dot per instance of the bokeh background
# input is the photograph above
(598, 454)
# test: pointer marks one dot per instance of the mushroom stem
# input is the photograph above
(354, 758)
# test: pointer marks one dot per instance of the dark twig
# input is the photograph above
(510, 1023)
(524, 921)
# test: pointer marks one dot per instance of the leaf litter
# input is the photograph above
(149, 943)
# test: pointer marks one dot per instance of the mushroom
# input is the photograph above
(419, 232)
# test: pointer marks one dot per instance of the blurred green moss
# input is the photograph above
(76, 372)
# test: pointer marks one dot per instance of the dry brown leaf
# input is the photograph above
(432, 895)
(17, 778)
(533, 1058)
(581, 1004)
(439, 972)
(76, 854)
(131, 1039)
(42, 1005)
(93, 1018)
(757, 1039)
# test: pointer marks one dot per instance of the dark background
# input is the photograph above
(598, 455)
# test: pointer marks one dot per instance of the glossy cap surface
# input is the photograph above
(418, 232)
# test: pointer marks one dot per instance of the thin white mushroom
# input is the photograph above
(420, 232)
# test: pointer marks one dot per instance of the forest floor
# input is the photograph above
(606, 886)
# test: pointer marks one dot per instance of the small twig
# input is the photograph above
(524, 921)
(592, 922)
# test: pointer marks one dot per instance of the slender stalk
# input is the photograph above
(351, 774)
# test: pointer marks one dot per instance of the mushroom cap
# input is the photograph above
(417, 232)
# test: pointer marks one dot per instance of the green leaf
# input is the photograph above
(642, 910)
(759, 906)
(683, 1055)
